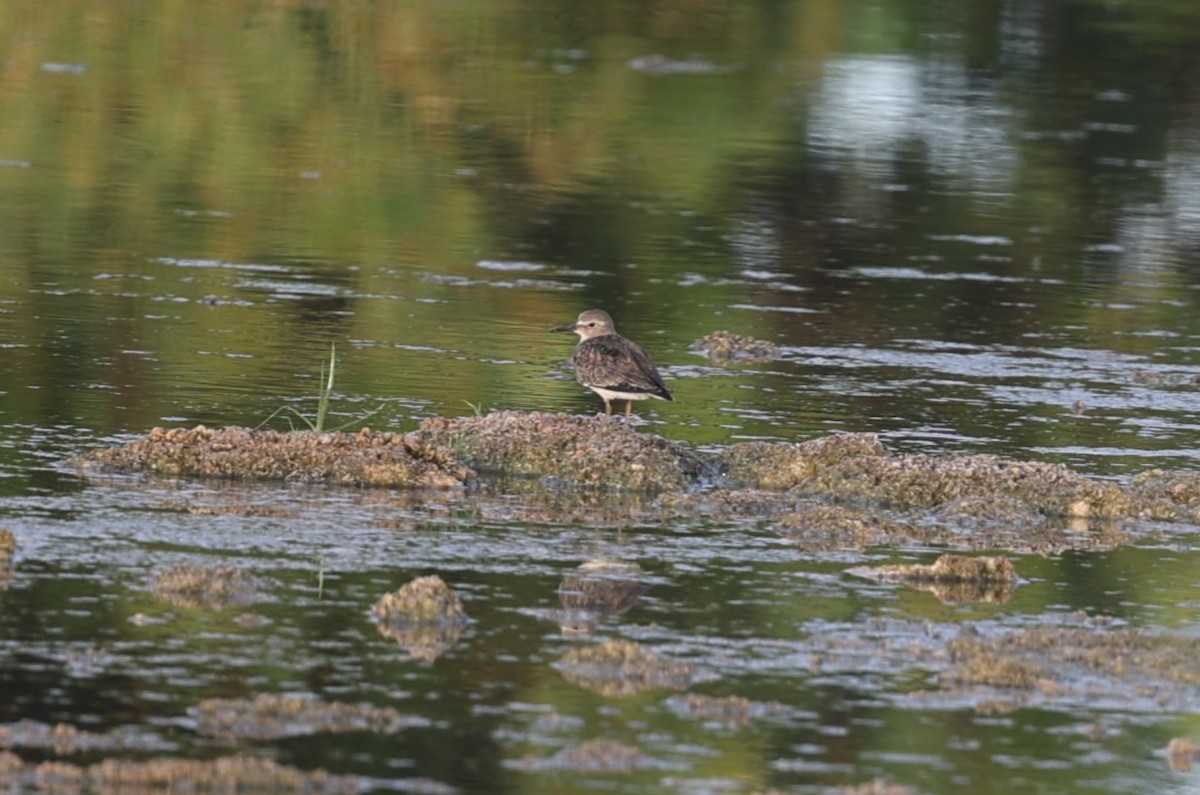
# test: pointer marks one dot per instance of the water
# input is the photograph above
(969, 231)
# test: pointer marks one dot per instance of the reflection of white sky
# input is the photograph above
(872, 109)
(1181, 188)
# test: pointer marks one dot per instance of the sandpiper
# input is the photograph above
(613, 367)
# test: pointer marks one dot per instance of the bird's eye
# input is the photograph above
(592, 324)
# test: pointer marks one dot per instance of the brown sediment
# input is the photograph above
(269, 716)
(424, 616)
(725, 347)
(216, 587)
(621, 668)
(365, 458)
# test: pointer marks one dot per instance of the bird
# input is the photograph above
(613, 367)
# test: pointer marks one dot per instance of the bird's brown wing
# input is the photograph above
(615, 363)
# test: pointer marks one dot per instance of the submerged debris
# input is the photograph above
(725, 346)
(574, 451)
(621, 668)
(727, 710)
(599, 755)
(425, 616)
(952, 578)
(1054, 660)
(216, 587)
(596, 589)
(268, 717)
(365, 458)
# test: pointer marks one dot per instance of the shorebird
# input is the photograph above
(613, 367)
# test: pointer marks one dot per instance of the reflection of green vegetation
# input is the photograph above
(358, 146)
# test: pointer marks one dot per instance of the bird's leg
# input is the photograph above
(607, 409)
(628, 408)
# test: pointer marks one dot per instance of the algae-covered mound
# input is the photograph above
(424, 616)
(776, 465)
(576, 451)
(857, 467)
(365, 458)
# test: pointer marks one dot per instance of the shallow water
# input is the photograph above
(966, 232)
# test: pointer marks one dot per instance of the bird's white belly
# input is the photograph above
(609, 394)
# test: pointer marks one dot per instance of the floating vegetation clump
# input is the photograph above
(622, 667)
(216, 587)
